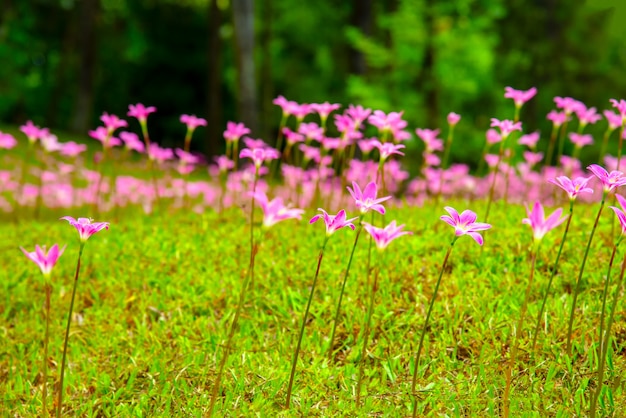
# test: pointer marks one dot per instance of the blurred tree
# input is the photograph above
(243, 17)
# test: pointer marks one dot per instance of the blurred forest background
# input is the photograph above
(64, 62)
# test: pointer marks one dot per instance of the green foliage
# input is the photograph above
(424, 57)
(157, 293)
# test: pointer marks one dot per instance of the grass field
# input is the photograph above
(157, 293)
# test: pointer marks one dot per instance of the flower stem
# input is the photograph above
(444, 162)
(306, 314)
(555, 267)
(256, 179)
(606, 291)
(44, 391)
(430, 309)
(605, 142)
(605, 344)
(343, 287)
(518, 330)
(231, 332)
(580, 274)
(495, 177)
(67, 332)
(366, 334)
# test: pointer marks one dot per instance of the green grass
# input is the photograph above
(156, 296)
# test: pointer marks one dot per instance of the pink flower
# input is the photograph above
(465, 224)
(530, 140)
(44, 259)
(621, 107)
(383, 236)
(255, 143)
(614, 120)
(621, 215)
(609, 180)
(539, 224)
(568, 104)
(275, 211)
(533, 158)
(358, 114)
(224, 163)
(580, 140)
(324, 109)
(7, 141)
(557, 118)
(192, 121)
(367, 145)
(572, 188)
(311, 131)
(31, 131)
(86, 227)
(259, 155)
(310, 153)
(493, 136)
(140, 112)
(587, 116)
(112, 122)
(50, 142)
(155, 152)
(387, 149)
(234, 131)
(429, 136)
(288, 107)
(187, 157)
(132, 142)
(453, 118)
(366, 199)
(334, 222)
(72, 149)
(292, 137)
(506, 126)
(519, 96)
(301, 110)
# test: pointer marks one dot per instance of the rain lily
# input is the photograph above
(45, 260)
(609, 181)
(557, 118)
(383, 236)
(539, 223)
(604, 336)
(7, 141)
(568, 104)
(465, 223)
(453, 118)
(192, 121)
(573, 187)
(274, 210)
(259, 155)
(140, 112)
(620, 105)
(112, 122)
(334, 222)
(580, 140)
(86, 227)
(506, 126)
(366, 199)
(540, 226)
(519, 96)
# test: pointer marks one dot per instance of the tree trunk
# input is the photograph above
(267, 85)
(243, 17)
(86, 73)
(214, 96)
(362, 19)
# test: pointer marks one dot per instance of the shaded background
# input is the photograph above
(64, 62)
